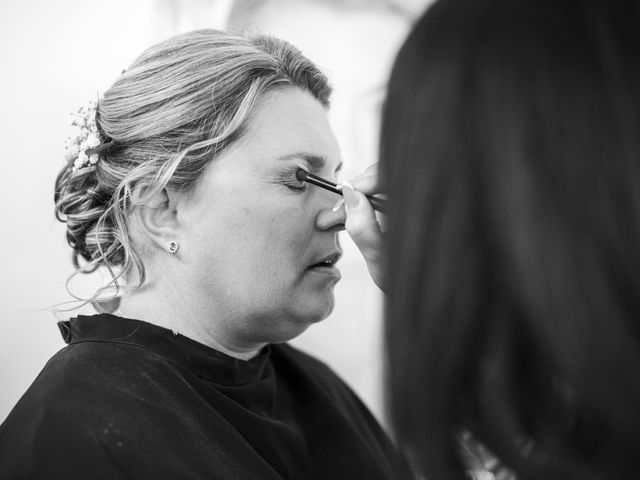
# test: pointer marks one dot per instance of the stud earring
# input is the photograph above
(173, 247)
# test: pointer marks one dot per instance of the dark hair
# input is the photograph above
(511, 152)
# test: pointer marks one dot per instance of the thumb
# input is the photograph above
(361, 219)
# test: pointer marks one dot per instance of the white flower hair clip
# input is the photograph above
(82, 149)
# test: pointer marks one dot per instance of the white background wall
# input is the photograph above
(55, 56)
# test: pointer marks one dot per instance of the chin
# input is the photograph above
(310, 312)
(318, 309)
(287, 324)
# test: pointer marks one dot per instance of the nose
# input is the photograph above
(327, 218)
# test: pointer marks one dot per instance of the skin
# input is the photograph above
(250, 235)
(361, 222)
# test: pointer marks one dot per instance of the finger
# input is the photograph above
(361, 221)
(370, 171)
(363, 228)
(367, 181)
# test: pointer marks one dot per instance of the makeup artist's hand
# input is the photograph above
(361, 222)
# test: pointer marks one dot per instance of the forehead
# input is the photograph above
(289, 123)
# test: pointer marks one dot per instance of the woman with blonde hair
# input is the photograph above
(186, 189)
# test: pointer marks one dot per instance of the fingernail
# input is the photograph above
(350, 198)
(338, 205)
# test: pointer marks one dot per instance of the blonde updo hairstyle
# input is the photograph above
(165, 119)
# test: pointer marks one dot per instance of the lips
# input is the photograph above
(328, 261)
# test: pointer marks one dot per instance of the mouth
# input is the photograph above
(328, 261)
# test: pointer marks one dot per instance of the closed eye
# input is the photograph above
(297, 186)
(289, 179)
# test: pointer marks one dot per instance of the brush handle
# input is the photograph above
(377, 203)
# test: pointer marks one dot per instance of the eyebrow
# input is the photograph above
(316, 161)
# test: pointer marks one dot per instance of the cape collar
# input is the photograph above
(199, 359)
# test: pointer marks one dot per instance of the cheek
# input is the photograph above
(262, 233)
(269, 235)
(293, 230)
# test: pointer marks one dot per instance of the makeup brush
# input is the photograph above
(302, 175)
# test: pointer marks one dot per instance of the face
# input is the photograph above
(254, 237)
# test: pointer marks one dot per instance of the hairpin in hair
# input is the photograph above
(85, 146)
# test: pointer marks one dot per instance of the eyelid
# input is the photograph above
(288, 178)
(317, 172)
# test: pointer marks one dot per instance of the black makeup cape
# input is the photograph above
(128, 399)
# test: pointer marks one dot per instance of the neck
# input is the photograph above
(163, 305)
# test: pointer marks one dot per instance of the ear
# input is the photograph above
(158, 218)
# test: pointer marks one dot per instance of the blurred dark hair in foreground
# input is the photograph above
(511, 153)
